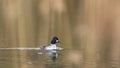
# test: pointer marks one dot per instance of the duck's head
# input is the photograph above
(55, 40)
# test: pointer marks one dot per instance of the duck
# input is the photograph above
(52, 48)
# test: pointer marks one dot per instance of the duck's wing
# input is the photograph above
(42, 47)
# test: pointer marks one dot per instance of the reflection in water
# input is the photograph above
(67, 59)
(45, 61)
(31, 60)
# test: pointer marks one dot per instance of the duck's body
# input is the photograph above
(51, 49)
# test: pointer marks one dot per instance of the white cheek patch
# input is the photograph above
(57, 40)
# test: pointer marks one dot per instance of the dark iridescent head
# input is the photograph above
(55, 40)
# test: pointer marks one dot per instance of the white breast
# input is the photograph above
(51, 47)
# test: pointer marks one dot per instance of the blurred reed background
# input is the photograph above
(91, 28)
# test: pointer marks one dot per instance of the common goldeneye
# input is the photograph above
(52, 49)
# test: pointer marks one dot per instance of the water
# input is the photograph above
(27, 59)
(31, 59)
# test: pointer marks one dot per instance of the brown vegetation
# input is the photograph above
(92, 26)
